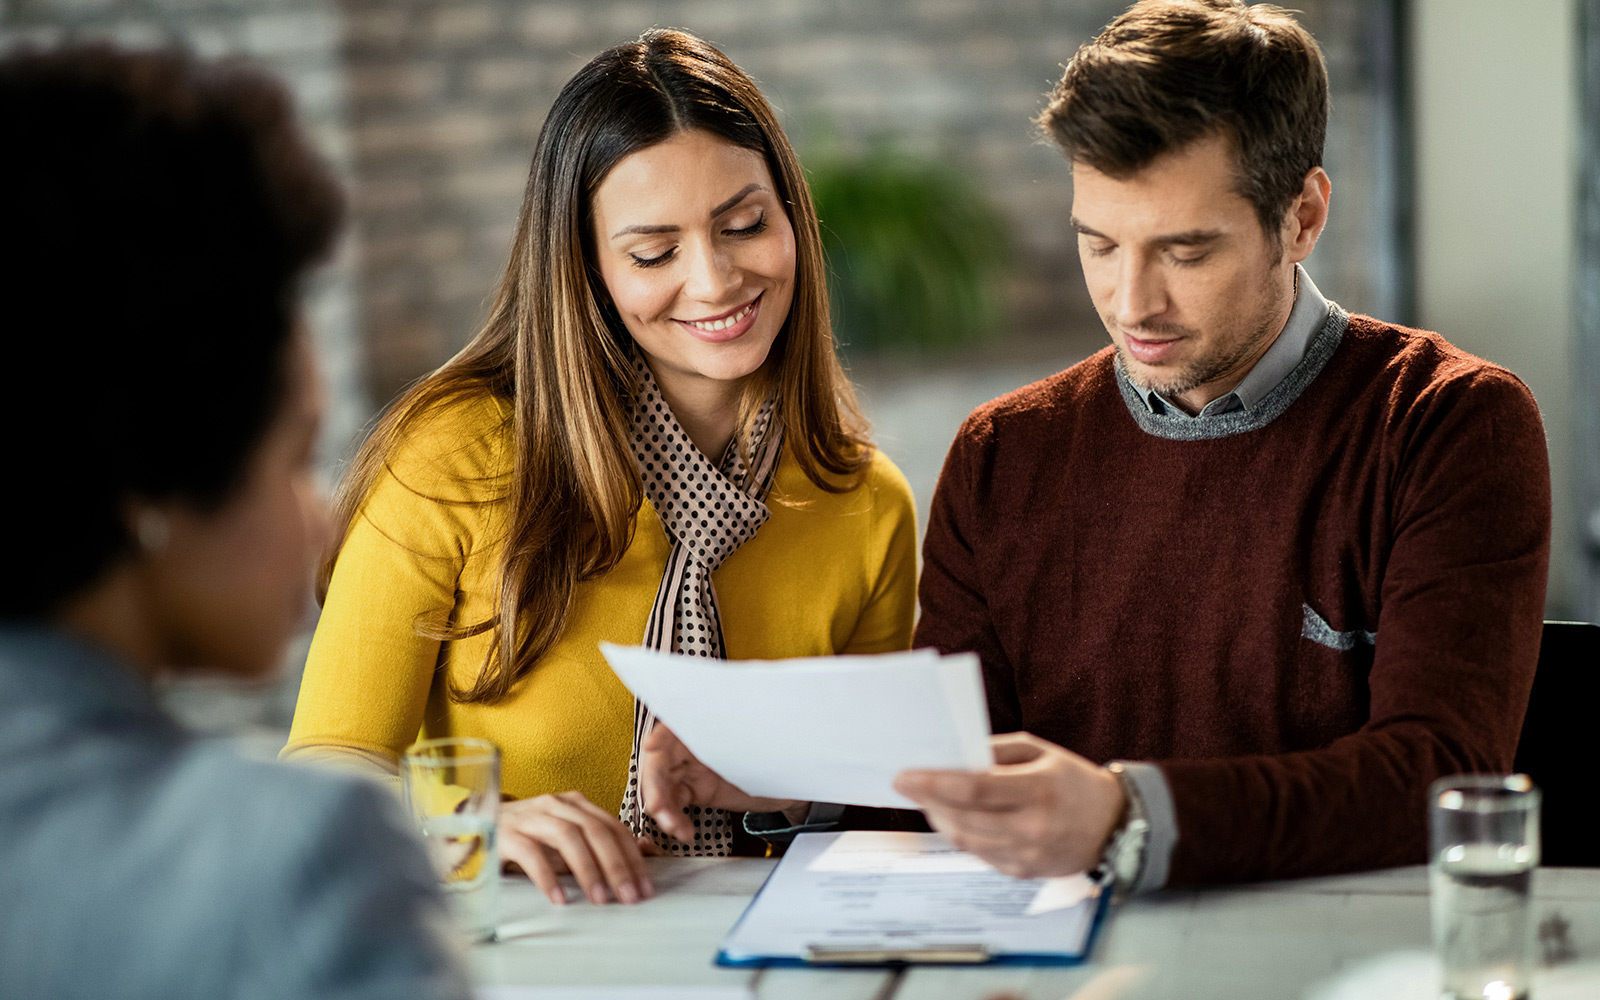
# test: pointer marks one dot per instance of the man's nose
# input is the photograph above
(1141, 292)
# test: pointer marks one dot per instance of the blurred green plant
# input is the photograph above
(915, 252)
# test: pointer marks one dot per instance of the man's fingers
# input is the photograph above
(993, 852)
(1016, 748)
(972, 825)
(976, 832)
(989, 791)
(1004, 847)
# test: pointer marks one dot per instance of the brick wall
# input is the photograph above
(445, 101)
(432, 108)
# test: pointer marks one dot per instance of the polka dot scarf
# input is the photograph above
(708, 511)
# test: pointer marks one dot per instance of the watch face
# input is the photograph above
(1127, 852)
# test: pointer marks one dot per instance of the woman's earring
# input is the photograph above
(150, 530)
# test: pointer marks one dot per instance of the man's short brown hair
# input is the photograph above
(1168, 72)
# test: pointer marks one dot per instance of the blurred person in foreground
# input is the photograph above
(166, 518)
(1284, 563)
(650, 441)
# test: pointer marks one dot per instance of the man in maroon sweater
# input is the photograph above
(1280, 565)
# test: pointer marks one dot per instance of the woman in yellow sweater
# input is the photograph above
(651, 440)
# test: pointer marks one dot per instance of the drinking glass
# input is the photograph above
(1484, 838)
(452, 789)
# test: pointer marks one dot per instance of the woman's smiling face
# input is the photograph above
(698, 256)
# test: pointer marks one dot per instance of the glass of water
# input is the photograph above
(452, 789)
(1484, 838)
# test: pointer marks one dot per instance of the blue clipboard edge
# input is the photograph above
(727, 961)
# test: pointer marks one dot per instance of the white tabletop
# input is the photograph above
(1359, 935)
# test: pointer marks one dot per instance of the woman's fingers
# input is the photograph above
(672, 819)
(662, 740)
(614, 848)
(672, 778)
(581, 843)
(530, 857)
(662, 790)
(567, 838)
(568, 831)
(665, 799)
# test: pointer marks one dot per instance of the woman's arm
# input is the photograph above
(420, 553)
(368, 673)
(891, 564)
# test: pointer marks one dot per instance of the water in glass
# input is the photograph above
(462, 848)
(1481, 919)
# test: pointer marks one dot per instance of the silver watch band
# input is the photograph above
(1124, 857)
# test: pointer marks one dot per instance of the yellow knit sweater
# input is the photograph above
(827, 573)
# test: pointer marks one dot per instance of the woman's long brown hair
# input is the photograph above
(555, 351)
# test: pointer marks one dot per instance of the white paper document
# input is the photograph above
(820, 729)
(888, 852)
(876, 897)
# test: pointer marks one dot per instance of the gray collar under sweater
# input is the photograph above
(1182, 427)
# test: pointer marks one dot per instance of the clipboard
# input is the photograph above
(872, 899)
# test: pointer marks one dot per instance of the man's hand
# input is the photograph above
(1040, 811)
(671, 778)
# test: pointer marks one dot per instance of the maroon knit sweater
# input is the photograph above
(1139, 597)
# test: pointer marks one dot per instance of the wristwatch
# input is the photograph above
(1125, 855)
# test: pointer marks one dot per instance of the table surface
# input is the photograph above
(1345, 936)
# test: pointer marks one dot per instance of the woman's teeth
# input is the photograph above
(712, 326)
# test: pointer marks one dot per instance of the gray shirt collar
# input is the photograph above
(1306, 319)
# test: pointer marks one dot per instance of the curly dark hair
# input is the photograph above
(160, 212)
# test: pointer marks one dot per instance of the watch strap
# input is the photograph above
(1125, 855)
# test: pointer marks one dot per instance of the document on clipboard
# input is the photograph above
(874, 898)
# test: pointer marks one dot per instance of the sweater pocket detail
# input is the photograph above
(1314, 628)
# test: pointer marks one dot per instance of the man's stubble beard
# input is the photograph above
(1201, 370)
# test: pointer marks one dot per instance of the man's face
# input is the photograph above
(1191, 289)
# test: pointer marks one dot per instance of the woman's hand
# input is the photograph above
(552, 835)
(671, 778)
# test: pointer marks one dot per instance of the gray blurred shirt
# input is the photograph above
(137, 861)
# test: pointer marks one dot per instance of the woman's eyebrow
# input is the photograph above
(743, 193)
(736, 198)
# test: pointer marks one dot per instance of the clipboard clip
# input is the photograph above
(941, 954)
